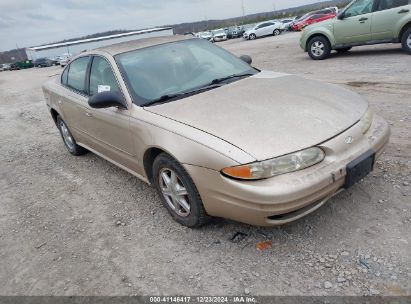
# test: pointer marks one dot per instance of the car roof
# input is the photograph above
(132, 45)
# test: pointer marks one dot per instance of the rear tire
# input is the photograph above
(68, 138)
(343, 50)
(406, 41)
(178, 192)
(319, 48)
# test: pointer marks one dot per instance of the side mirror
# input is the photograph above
(341, 15)
(107, 100)
(246, 59)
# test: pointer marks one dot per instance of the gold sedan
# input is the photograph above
(214, 135)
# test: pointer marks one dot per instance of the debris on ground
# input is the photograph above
(264, 245)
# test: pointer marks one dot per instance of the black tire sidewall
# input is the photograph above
(404, 38)
(197, 216)
(276, 32)
(327, 48)
(252, 36)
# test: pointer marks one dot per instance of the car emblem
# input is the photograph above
(349, 140)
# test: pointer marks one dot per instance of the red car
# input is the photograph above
(298, 26)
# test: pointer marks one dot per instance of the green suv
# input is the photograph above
(362, 22)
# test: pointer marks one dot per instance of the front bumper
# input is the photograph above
(220, 38)
(288, 197)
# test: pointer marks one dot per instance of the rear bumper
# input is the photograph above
(287, 197)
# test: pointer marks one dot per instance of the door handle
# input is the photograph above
(403, 11)
(362, 19)
(88, 114)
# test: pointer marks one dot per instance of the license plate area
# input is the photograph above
(359, 168)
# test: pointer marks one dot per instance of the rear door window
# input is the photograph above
(77, 74)
(388, 4)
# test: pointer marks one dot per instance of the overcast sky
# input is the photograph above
(29, 22)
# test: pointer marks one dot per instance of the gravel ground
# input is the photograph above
(80, 226)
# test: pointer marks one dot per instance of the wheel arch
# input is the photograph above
(317, 35)
(54, 115)
(148, 159)
(404, 28)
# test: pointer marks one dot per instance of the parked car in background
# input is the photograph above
(4, 67)
(14, 67)
(219, 35)
(234, 32)
(179, 113)
(312, 19)
(363, 22)
(205, 35)
(65, 59)
(286, 24)
(56, 60)
(325, 11)
(263, 29)
(43, 62)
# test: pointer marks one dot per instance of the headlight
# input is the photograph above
(276, 166)
(366, 121)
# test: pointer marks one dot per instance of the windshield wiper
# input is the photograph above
(222, 79)
(212, 85)
(169, 97)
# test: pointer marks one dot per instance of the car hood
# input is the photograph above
(321, 24)
(269, 114)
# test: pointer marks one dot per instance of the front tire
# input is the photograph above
(252, 37)
(68, 138)
(406, 41)
(178, 192)
(319, 48)
(276, 32)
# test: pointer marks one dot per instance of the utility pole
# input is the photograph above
(242, 3)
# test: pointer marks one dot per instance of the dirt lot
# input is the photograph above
(59, 213)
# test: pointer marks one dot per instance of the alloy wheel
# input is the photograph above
(68, 139)
(409, 41)
(317, 48)
(174, 192)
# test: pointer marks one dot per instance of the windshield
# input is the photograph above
(176, 67)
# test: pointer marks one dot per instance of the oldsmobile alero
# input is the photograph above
(214, 135)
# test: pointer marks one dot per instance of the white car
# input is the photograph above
(219, 35)
(205, 35)
(263, 29)
(65, 59)
(4, 67)
(286, 24)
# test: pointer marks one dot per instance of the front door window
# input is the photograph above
(359, 7)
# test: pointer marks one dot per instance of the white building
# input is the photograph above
(76, 47)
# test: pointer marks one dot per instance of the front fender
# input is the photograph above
(188, 145)
(311, 31)
(402, 25)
